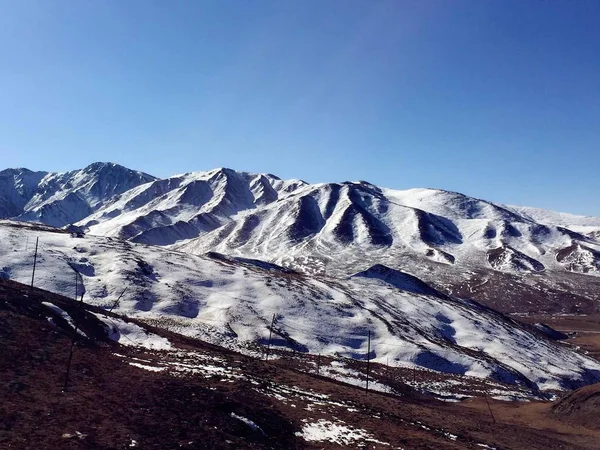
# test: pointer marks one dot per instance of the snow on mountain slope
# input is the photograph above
(448, 239)
(451, 205)
(60, 199)
(579, 258)
(553, 217)
(336, 227)
(303, 225)
(184, 206)
(581, 224)
(17, 187)
(231, 301)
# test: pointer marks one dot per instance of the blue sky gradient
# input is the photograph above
(498, 99)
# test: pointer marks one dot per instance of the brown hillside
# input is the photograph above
(200, 396)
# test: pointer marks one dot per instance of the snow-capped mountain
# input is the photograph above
(17, 187)
(231, 301)
(514, 259)
(60, 199)
(336, 225)
(582, 224)
(185, 206)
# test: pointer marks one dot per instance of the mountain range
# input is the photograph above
(515, 259)
(60, 199)
(413, 278)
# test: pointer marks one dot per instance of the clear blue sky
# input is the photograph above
(498, 99)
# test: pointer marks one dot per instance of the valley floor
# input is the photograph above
(197, 395)
(584, 330)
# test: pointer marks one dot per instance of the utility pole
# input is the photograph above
(489, 407)
(387, 373)
(368, 358)
(119, 298)
(35, 261)
(74, 334)
(270, 335)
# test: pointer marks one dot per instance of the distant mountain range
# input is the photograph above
(516, 259)
(59, 199)
(219, 255)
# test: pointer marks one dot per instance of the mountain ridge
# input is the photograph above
(534, 213)
(238, 303)
(62, 198)
(455, 242)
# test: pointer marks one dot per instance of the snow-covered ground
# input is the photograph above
(333, 228)
(324, 416)
(336, 432)
(540, 260)
(232, 303)
(131, 334)
(324, 228)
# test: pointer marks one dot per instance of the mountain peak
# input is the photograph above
(20, 171)
(101, 166)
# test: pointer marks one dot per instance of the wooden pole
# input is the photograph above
(368, 358)
(34, 261)
(489, 407)
(119, 298)
(387, 373)
(270, 335)
(74, 334)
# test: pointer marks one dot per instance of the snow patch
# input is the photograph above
(248, 422)
(130, 334)
(335, 432)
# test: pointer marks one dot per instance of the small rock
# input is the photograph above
(77, 434)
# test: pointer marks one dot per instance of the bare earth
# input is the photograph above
(583, 329)
(126, 397)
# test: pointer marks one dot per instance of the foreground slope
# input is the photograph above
(195, 395)
(580, 407)
(232, 301)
